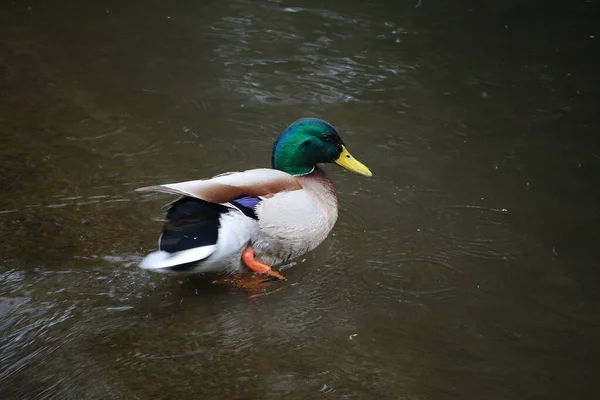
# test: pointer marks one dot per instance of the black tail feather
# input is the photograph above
(191, 223)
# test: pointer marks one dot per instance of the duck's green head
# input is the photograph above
(311, 141)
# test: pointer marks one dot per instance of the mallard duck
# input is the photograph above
(256, 218)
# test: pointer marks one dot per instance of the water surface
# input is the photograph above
(467, 267)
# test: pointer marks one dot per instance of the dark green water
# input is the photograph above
(467, 267)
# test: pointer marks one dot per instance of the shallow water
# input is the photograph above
(467, 267)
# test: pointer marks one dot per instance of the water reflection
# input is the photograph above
(464, 268)
(315, 60)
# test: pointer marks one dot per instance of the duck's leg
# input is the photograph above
(255, 266)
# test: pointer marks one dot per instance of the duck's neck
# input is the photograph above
(287, 158)
(293, 165)
(318, 182)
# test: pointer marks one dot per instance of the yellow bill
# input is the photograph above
(352, 164)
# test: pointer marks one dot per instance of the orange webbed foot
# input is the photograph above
(258, 267)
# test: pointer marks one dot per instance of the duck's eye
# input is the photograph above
(328, 139)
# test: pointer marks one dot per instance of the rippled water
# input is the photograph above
(465, 268)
